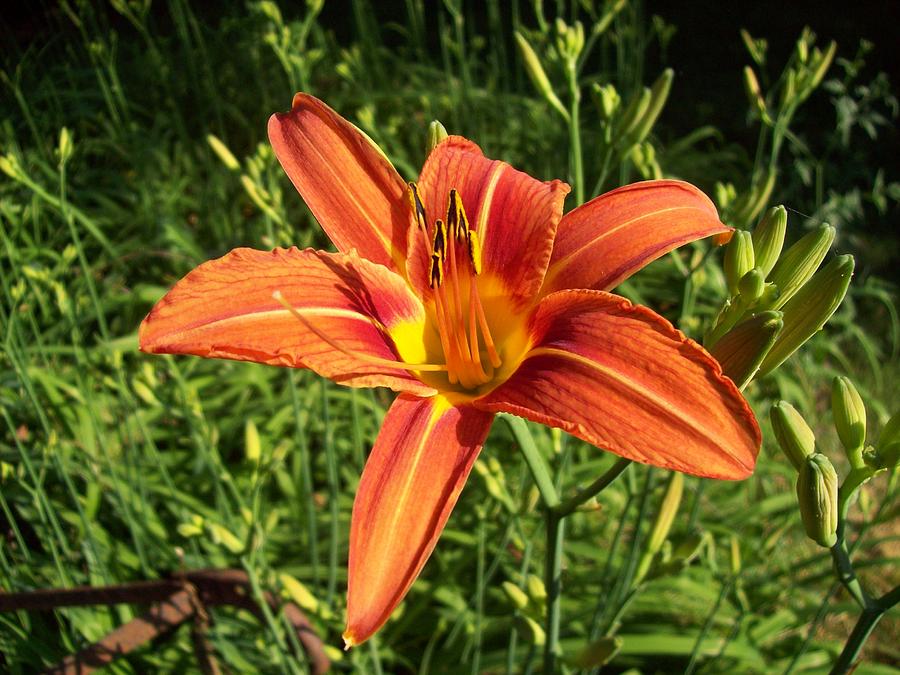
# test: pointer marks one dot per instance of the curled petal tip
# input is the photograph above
(349, 640)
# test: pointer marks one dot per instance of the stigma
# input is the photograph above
(454, 263)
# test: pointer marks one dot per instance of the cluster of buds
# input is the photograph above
(776, 302)
(822, 504)
(625, 126)
(800, 78)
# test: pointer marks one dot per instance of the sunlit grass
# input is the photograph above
(116, 467)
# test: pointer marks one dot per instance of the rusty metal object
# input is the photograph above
(175, 601)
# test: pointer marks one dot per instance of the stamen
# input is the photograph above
(367, 358)
(415, 203)
(474, 244)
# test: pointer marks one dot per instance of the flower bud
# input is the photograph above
(793, 434)
(754, 93)
(65, 145)
(817, 494)
(252, 446)
(744, 347)
(535, 633)
(515, 594)
(802, 50)
(633, 112)
(809, 309)
(849, 413)
(668, 508)
(537, 75)
(659, 94)
(751, 286)
(536, 588)
(739, 259)
(436, 134)
(768, 239)
(297, 592)
(799, 263)
(607, 99)
(223, 153)
(820, 64)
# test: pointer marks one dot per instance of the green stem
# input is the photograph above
(575, 135)
(538, 466)
(568, 506)
(867, 621)
(846, 575)
(553, 583)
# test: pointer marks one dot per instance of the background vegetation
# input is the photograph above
(115, 466)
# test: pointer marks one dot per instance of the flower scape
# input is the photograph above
(469, 293)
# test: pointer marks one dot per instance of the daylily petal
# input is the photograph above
(605, 241)
(345, 179)
(622, 378)
(225, 309)
(514, 214)
(411, 482)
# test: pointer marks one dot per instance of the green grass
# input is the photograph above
(117, 466)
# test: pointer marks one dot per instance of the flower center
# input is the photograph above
(454, 254)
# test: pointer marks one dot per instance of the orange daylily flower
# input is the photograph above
(469, 293)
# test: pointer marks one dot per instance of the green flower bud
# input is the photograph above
(739, 259)
(538, 77)
(742, 349)
(533, 630)
(668, 508)
(659, 94)
(597, 653)
(809, 309)
(295, 590)
(65, 145)
(751, 286)
(536, 588)
(768, 239)
(820, 64)
(607, 99)
(633, 112)
(436, 134)
(223, 153)
(252, 445)
(799, 263)
(515, 594)
(849, 413)
(793, 434)
(754, 93)
(802, 50)
(817, 494)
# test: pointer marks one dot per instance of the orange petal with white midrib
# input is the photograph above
(225, 309)
(622, 378)
(412, 479)
(603, 242)
(349, 185)
(514, 215)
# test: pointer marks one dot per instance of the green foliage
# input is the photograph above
(133, 148)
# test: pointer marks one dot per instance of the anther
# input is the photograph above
(415, 203)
